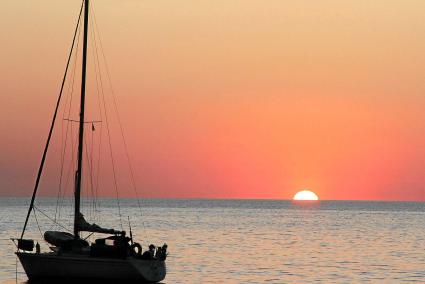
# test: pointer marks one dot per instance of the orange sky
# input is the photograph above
(231, 99)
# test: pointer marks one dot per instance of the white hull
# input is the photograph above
(69, 266)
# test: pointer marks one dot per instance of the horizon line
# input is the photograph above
(223, 198)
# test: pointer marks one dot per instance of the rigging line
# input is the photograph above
(71, 85)
(97, 168)
(90, 168)
(99, 156)
(92, 121)
(85, 202)
(40, 170)
(38, 225)
(70, 91)
(71, 165)
(88, 236)
(16, 269)
(109, 139)
(117, 114)
(96, 72)
(67, 99)
(113, 164)
(91, 171)
(112, 160)
(67, 111)
(92, 150)
(51, 219)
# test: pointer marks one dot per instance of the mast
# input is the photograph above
(78, 174)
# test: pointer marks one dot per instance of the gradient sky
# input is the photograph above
(232, 99)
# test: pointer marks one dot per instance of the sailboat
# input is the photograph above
(113, 257)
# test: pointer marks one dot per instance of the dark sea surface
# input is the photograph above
(249, 241)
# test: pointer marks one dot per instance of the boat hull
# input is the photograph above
(53, 265)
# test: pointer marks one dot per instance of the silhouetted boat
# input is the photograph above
(115, 257)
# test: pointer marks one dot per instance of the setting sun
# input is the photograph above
(305, 195)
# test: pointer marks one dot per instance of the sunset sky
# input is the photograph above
(230, 99)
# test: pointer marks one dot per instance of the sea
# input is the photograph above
(246, 241)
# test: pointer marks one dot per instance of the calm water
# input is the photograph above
(235, 241)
